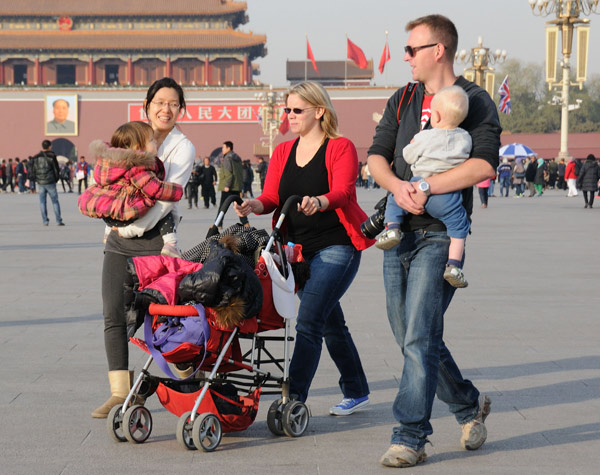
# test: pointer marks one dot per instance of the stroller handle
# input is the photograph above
(222, 210)
(172, 310)
(291, 201)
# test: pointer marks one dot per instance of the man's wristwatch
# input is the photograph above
(424, 187)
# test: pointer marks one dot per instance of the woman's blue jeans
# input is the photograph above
(417, 297)
(320, 315)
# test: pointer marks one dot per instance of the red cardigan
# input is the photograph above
(341, 161)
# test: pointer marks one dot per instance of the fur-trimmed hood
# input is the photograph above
(121, 157)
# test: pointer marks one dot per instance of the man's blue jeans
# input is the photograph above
(320, 315)
(417, 297)
(51, 190)
(504, 185)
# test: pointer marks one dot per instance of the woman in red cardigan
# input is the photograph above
(321, 166)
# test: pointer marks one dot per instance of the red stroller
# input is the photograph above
(211, 405)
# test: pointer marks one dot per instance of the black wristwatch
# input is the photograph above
(424, 187)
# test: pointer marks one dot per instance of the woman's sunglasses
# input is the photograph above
(296, 110)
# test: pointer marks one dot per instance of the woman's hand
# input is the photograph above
(247, 207)
(309, 205)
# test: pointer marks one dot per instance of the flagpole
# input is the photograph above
(306, 60)
(346, 65)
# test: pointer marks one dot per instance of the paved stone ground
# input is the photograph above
(526, 330)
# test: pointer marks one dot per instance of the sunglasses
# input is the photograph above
(412, 50)
(296, 110)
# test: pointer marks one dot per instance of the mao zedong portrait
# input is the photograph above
(60, 125)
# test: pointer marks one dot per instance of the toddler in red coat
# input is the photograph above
(129, 180)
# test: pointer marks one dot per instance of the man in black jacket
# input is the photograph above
(46, 173)
(417, 295)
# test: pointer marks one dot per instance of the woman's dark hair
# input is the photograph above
(591, 156)
(158, 85)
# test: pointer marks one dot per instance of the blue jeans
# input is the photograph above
(491, 188)
(504, 184)
(446, 207)
(320, 315)
(417, 297)
(51, 190)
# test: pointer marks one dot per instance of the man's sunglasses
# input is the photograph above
(296, 110)
(412, 50)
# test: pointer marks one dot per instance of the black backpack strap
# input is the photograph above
(407, 96)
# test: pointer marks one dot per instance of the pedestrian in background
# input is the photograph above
(191, 188)
(82, 171)
(261, 169)
(208, 179)
(530, 175)
(483, 188)
(518, 178)
(540, 173)
(587, 181)
(248, 178)
(504, 173)
(46, 173)
(571, 179)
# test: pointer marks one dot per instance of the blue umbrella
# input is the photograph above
(515, 150)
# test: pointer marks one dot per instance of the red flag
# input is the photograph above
(285, 124)
(311, 56)
(385, 57)
(356, 54)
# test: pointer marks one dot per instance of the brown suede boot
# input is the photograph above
(120, 383)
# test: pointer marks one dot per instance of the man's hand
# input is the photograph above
(408, 198)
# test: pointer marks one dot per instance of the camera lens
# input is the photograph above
(373, 225)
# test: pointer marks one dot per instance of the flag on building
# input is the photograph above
(504, 104)
(285, 124)
(356, 54)
(311, 56)
(385, 57)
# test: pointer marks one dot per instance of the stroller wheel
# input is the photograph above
(274, 417)
(184, 431)
(295, 418)
(138, 424)
(207, 432)
(114, 423)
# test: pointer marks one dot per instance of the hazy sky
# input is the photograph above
(503, 24)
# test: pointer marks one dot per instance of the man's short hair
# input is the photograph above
(46, 144)
(443, 31)
(58, 100)
(229, 145)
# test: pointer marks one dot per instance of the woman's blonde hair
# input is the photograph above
(316, 95)
(132, 135)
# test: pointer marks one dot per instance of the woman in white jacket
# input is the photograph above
(163, 105)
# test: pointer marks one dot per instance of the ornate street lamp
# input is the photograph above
(480, 60)
(567, 20)
(270, 114)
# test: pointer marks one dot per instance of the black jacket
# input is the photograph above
(589, 176)
(45, 168)
(391, 137)
(207, 175)
(530, 171)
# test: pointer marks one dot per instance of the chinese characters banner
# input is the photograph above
(196, 113)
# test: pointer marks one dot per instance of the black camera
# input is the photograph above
(376, 222)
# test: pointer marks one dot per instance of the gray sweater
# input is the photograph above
(435, 151)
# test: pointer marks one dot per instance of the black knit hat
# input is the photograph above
(591, 157)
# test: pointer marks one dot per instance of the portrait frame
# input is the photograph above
(68, 127)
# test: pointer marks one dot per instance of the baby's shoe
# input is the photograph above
(170, 249)
(455, 277)
(389, 238)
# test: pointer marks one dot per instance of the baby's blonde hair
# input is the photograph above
(452, 103)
